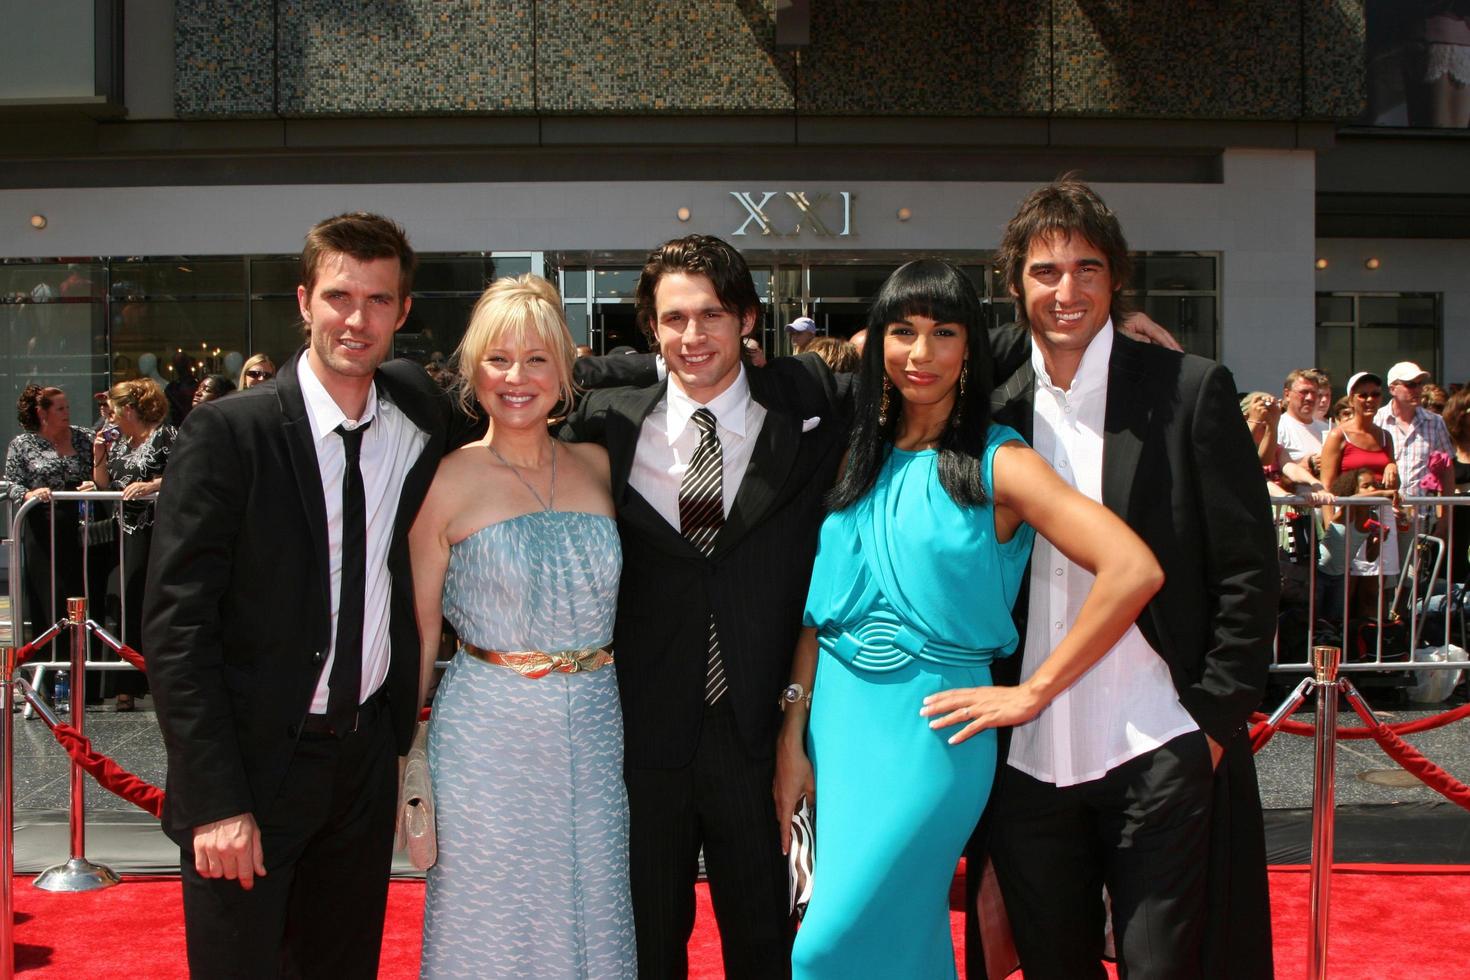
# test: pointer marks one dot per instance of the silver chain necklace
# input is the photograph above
(512, 467)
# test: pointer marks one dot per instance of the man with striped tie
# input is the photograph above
(718, 473)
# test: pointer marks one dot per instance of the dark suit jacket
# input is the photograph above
(1180, 468)
(237, 615)
(755, 581)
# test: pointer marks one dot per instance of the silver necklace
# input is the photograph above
(552, 490)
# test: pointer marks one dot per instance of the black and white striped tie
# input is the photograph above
(701, 515)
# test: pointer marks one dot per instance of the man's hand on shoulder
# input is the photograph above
(230, 848)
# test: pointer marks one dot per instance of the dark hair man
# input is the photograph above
(718, 475)
(1139, 776)
(279, 631)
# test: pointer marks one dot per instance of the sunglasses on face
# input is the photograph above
(256, 374)
(1411, 384)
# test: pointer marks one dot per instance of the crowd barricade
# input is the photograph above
(1408, 622)
(102, 542)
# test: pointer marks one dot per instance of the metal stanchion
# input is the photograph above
(1325, 661)
(77, 874)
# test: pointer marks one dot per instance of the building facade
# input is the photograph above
(166, 158)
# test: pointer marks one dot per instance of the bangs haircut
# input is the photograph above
(1061, 209)
(523, 310)
(937, 290)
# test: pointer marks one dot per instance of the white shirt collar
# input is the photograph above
(1092, 372)
(729, 407)
(324, 413)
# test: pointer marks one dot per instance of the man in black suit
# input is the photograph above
(279, 629)
(1140, 776)
(718, 474)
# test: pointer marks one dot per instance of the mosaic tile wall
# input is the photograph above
(1334, 58)
(1209, 59)
(640, 56)
(223, 58)
(379, 57)
(882, 58)
(1193, 58)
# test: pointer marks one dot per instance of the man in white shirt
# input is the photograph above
(1138, 777)
(1299, 432)
(718, 473)
(279, 630)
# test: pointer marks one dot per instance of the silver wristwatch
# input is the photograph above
(793, 694)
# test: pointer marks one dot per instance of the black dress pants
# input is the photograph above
(722, 801)
(328, 842)
(1143, 830)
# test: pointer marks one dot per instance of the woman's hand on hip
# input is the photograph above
(979, 708)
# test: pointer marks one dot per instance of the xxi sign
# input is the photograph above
(770, 211)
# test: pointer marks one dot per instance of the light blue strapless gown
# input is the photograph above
(532, 876)
(911, 594)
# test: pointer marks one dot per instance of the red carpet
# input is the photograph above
(1389, 922)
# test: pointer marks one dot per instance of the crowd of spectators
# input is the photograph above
(125, 449)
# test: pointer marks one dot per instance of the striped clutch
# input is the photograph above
(801, 857)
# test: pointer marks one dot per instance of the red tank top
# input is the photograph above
(1354, 458)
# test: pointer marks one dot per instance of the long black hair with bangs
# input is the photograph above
(934, 289)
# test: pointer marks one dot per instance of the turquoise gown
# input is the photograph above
(911, 594)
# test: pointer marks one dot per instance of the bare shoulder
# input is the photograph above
(590, 455)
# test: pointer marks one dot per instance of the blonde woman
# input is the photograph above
(256, 371)
(517, 548)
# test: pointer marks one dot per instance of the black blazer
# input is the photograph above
(237, 615)
(755, 581)
(1180, 467)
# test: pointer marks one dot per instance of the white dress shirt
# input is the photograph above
(1125, 705)
(389, 449)
(667, 441)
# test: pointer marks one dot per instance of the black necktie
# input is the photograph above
(701, 515)
(344, 688)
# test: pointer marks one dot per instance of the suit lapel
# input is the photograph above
(1124, 427)
(1013, 402)
(770, 462)
(296, 429)
(629, 411)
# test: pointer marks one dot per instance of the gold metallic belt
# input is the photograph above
(534, 663)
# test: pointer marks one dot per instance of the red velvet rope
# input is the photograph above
(1357, 731)
(109, 775)
(132, 656)
(1407, 756)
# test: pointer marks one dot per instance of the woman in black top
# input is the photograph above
(51, 454)
(133, 463)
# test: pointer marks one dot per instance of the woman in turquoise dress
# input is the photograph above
(919, 563)
(517, 547)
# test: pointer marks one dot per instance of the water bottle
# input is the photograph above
(61, 691)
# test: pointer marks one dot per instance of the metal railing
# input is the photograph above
(91, 503)
(1416, 603)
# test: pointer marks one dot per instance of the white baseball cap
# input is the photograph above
(1406, 371)
(1361, 376)
(802, 324)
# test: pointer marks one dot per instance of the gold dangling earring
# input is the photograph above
(959, 401)
(883, 403)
